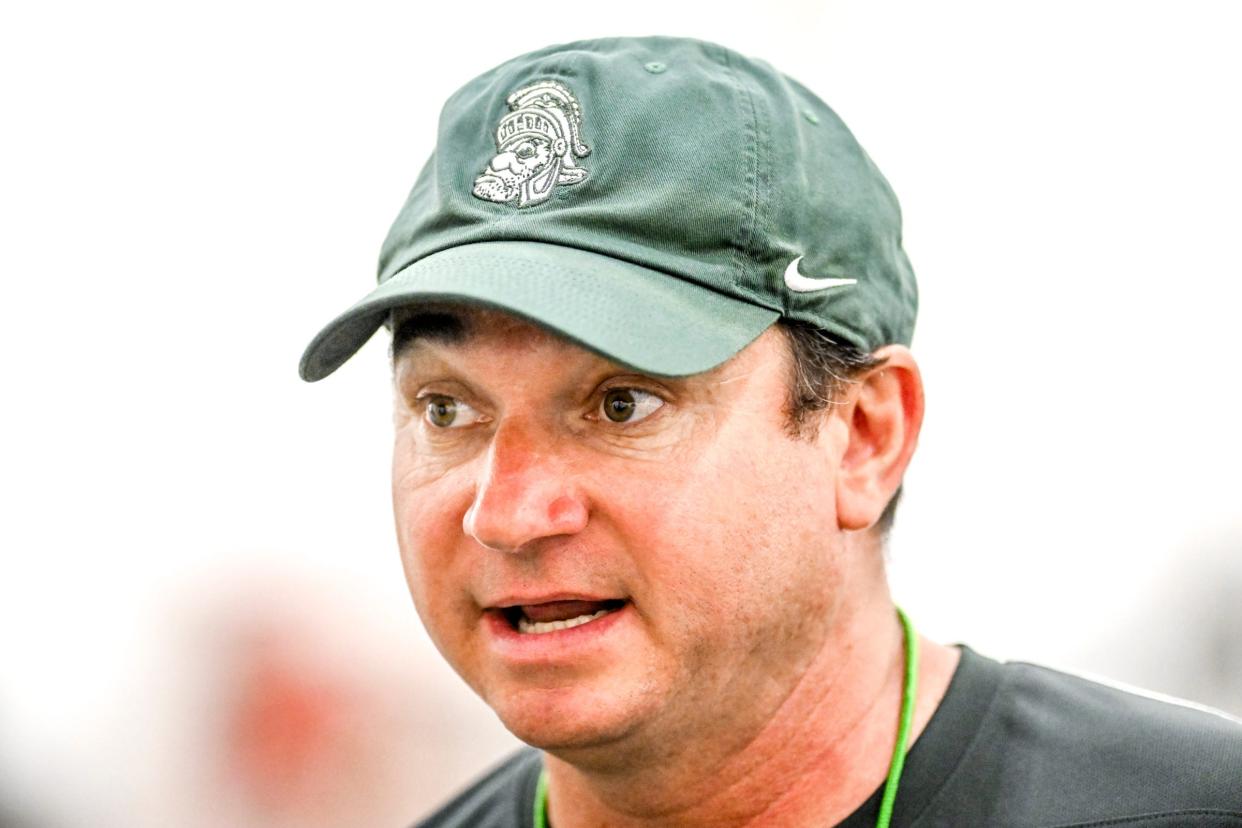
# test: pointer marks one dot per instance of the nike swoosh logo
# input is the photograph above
(798, 283)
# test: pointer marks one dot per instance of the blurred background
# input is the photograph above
(203, 621)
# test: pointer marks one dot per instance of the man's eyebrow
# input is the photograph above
(437, 326)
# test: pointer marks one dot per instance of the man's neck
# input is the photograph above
(816, 759)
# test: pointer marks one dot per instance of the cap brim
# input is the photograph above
(642, 318)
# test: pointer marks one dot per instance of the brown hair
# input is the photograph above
(823, 367)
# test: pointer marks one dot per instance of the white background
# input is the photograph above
(188, 191)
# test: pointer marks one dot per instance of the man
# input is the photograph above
(654, 403)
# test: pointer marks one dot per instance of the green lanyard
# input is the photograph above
(899, 750)
(908, 694)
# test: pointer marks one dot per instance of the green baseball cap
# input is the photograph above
(660, 201)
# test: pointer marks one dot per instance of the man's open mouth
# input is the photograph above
(536, 619)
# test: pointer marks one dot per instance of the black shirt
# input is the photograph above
(1010, 745)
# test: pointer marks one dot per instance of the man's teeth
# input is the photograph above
(526, 626)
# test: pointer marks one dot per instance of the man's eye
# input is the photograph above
(525, 150)
(629, 405)
(447, 412)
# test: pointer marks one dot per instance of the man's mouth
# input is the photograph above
(537, 619)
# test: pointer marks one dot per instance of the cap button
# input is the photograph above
(655, 67)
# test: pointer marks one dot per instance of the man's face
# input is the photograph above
(534, 482)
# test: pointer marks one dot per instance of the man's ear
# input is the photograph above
(883, 414)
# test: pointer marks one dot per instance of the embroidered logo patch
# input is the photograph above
(537, 146)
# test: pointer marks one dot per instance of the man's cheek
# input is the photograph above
(422, 473)
(439, 599)
(428, 537)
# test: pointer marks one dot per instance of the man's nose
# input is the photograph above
(526, 492)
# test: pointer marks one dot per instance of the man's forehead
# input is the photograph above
(457, 325)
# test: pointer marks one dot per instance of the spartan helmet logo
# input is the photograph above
(536, 146)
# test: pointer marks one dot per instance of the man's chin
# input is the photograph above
(566, 721)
